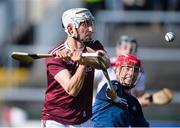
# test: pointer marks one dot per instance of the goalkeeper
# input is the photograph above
(120, 109)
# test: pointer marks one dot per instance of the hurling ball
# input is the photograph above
(170, 36)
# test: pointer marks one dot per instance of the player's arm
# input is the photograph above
(139, 92)
(144, 100)
(114, 97)
(139, 120)
(72, 84)
(93, 61)
(77, 56)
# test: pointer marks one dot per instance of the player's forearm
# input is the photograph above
(76, 81)
(115, 98)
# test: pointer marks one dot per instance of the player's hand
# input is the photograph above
(144, 100)
(111, 94)
(104, 58)
(63, 55)
(76, 55)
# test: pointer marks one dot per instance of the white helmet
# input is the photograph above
(75, 16)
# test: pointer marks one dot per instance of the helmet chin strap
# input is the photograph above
(77, 38)
(84, 42)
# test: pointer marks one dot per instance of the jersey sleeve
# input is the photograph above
(54, 65)
(141, 84)
(139, 120)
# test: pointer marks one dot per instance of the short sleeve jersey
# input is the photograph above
(59, 105)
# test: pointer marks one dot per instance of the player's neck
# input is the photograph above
(72, 44)
(127, 91)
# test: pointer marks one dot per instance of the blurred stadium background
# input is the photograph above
(35, 26)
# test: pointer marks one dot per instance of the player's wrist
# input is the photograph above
(82, 66)
(82, 61)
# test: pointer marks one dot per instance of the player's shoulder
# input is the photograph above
(115, 82)
(59, 47)
(53, 60)
(133, 99)
(95, 44)
(116, 85)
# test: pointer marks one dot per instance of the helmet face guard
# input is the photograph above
(128, 70)
(76, 16)
(132, 81)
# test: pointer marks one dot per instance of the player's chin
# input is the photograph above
(88, 37)
(128, 82)
(125, 82)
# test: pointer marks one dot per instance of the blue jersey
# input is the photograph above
(107, 113)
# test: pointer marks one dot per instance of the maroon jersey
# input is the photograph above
(59, 105)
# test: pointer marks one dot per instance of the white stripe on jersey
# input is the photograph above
(60, 47)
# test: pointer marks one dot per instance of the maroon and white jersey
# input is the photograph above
(59, 105)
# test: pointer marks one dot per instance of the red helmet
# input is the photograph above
(128, 60)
